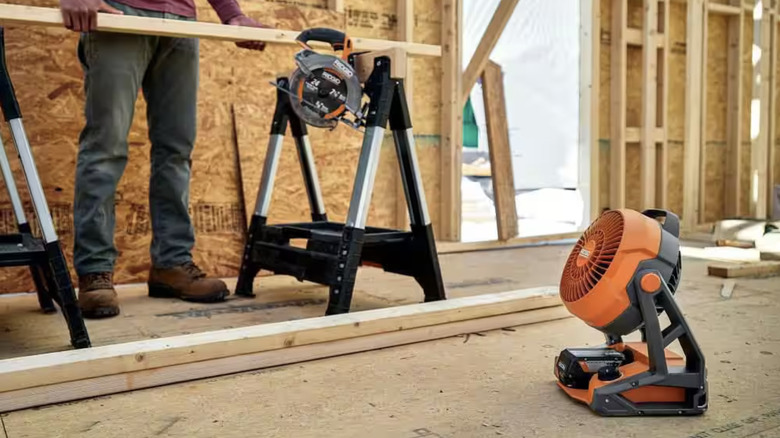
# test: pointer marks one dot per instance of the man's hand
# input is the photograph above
(243, 20)
(81, 15)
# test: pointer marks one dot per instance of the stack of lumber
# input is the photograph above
(38, 380)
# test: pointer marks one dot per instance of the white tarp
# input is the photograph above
(539, 54)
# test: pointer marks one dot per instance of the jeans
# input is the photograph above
(116, 66)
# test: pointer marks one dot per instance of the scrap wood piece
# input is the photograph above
(751, 269)
(134, 380)
(52, 17)
(500, 151)
(66, 366)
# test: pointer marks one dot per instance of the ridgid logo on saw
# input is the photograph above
(343, 68)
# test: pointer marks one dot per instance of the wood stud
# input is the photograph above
(451, 120)
(662, 157)
(405, 13)
(734, 133)
(772, 108)
(617, 180)
(595, 145)
(647, 169)
(693, 113)
(759, 150)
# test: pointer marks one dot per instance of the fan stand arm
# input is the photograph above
(657, 340)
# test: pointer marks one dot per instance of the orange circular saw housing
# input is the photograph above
(598, 281)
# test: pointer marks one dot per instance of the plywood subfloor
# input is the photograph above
(24, 330)
(494, 384)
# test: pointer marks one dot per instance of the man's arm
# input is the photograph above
(230, 13)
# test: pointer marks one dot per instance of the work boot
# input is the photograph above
(186, 282)
(97, 297)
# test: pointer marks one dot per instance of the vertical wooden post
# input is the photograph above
(595, 72)
(772, 109)
(500, 151)
(662, 164)
(451, 120)
(617, 175)
(732, 182)
(702, 169)
(693, 95)
(760, 144)
(405, 14)
(649, 104)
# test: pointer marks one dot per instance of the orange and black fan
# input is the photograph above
(619, 278)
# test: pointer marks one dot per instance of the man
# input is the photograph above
(116, 66)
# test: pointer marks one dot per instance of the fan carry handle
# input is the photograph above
(671, 223)
(338, 40)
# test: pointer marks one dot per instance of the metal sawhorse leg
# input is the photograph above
(44, 256)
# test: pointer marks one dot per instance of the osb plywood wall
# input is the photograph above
(716, 99)
(235, 107)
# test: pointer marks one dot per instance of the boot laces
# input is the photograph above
(193, 270)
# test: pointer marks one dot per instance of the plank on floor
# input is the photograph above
(123, 382)
(50, 368)
(753, 269)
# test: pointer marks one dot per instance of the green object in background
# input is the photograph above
(470, 128)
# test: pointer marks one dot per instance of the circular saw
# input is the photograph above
(325, 89)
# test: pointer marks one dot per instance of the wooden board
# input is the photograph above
(451, 119)
(500, 151)
(737, 270)
(70, 366)
(134, 380)
(37, 16)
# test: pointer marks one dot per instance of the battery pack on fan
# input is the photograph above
(620, 278)
(366, 92)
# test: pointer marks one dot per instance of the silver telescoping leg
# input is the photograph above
(33, 181)
(265, 192)
(10, 185)
(365, 177)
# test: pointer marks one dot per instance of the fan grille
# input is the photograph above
(591, 257)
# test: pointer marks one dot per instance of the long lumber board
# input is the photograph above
(75, 365)
(131, 381)
(52, 17)
(751, 269)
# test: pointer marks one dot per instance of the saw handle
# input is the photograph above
(338, 40)
(671, 223)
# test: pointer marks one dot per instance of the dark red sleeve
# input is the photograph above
(226, 9)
